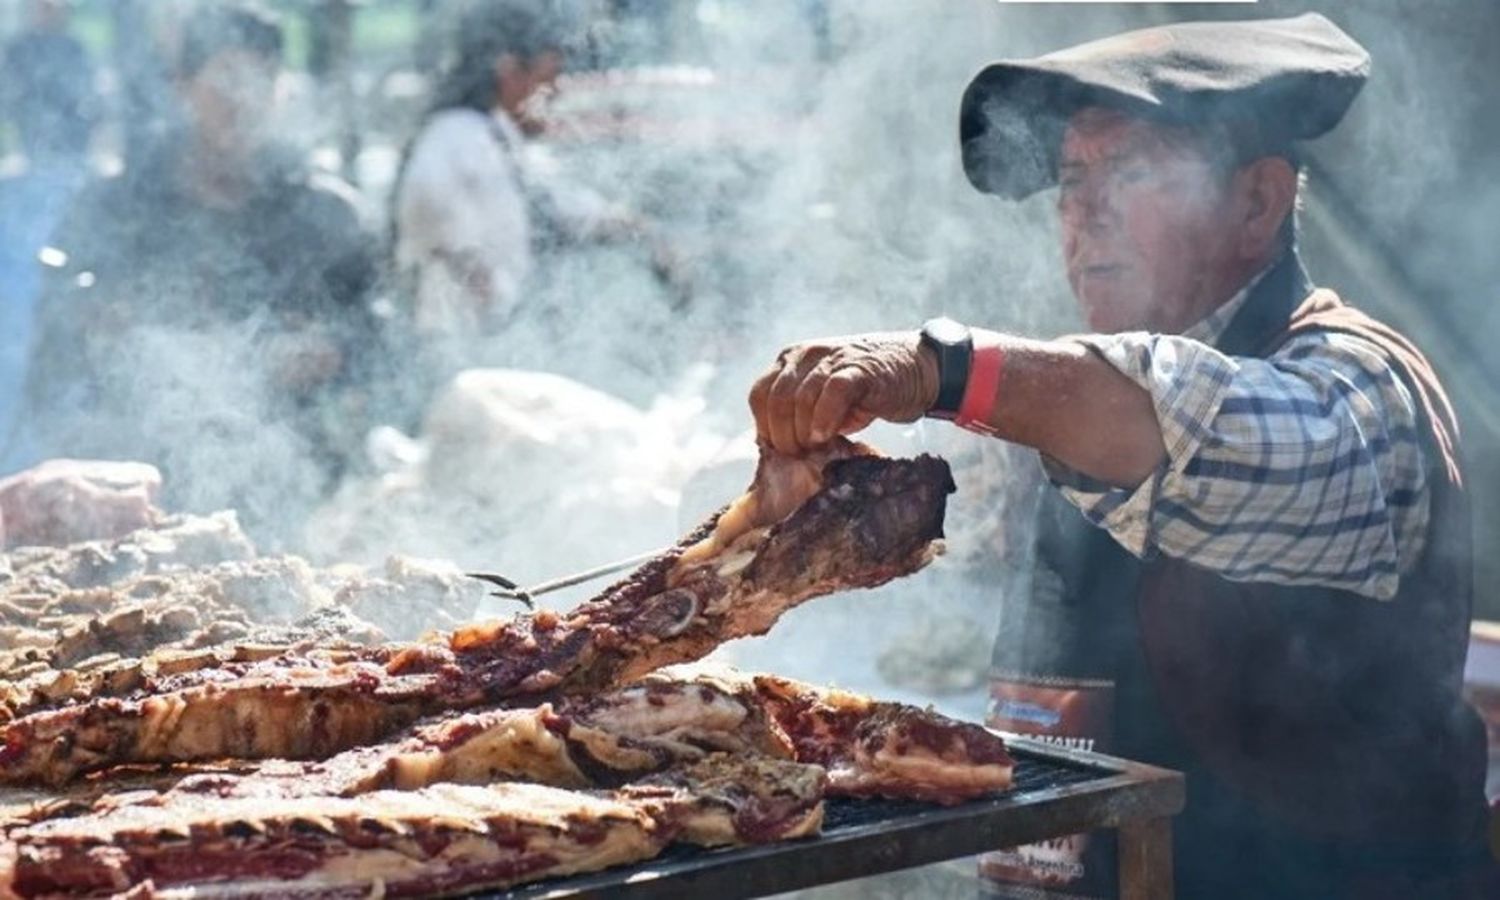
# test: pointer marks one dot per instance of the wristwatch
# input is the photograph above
(953, 346)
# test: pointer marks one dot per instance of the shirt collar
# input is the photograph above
(1211, 327)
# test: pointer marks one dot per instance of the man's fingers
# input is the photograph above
(781, 410)
(786, 399)
(760, 398)
(836, 404)
(858, 420)
(808, 393)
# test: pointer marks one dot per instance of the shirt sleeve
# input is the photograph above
(1302, 469)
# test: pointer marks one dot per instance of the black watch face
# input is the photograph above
(946, 331)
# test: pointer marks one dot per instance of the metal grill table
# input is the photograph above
(1057, 792)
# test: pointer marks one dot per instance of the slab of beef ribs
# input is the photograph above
(868, 747)
(708, 759)
(436, 840)
(844, 519)
(722, 759)
(874, 748)
(580, 742)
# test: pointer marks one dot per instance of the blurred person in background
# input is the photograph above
(48, 90)
(481, 205)
(207, 310)
(47, 94)
(463, 217)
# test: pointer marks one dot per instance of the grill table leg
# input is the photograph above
(1146, 860)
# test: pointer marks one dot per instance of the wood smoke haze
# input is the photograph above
(839, 206)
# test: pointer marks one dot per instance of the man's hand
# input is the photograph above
(823, 388)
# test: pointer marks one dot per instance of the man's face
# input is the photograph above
(1147, 225)
(527, 85)
(231, 99)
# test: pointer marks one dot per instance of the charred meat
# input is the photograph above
(437, 840)
(867, 520)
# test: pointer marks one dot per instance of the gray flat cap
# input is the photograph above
(1295, 77)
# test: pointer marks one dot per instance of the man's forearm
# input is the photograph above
(1062, 399)
(1056, 396)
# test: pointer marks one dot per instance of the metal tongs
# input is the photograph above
(509, 590)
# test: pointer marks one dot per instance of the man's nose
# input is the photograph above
(1090, 206)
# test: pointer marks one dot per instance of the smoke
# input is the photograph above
(805, 168)
(811, 181)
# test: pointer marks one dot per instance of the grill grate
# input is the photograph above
(1033, 773)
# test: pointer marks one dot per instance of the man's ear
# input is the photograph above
(1268, 189)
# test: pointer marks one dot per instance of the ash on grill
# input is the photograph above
(89, 610)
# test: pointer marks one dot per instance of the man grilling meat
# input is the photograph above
(1259, 549)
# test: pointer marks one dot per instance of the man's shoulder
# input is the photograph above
(339, 196)
(455, 135)
(1334, 347)
(459, 122)
(1363, 354)
(318, 198)
(1325, 319)
(147, 183)
(1327, 327)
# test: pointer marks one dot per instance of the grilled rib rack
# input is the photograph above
(1057, 792)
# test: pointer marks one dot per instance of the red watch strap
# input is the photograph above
(985, 370)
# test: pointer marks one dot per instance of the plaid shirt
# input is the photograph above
(1304, 468)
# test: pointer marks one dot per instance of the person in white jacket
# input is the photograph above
(462, 211)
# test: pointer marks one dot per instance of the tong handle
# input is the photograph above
(512, 591)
